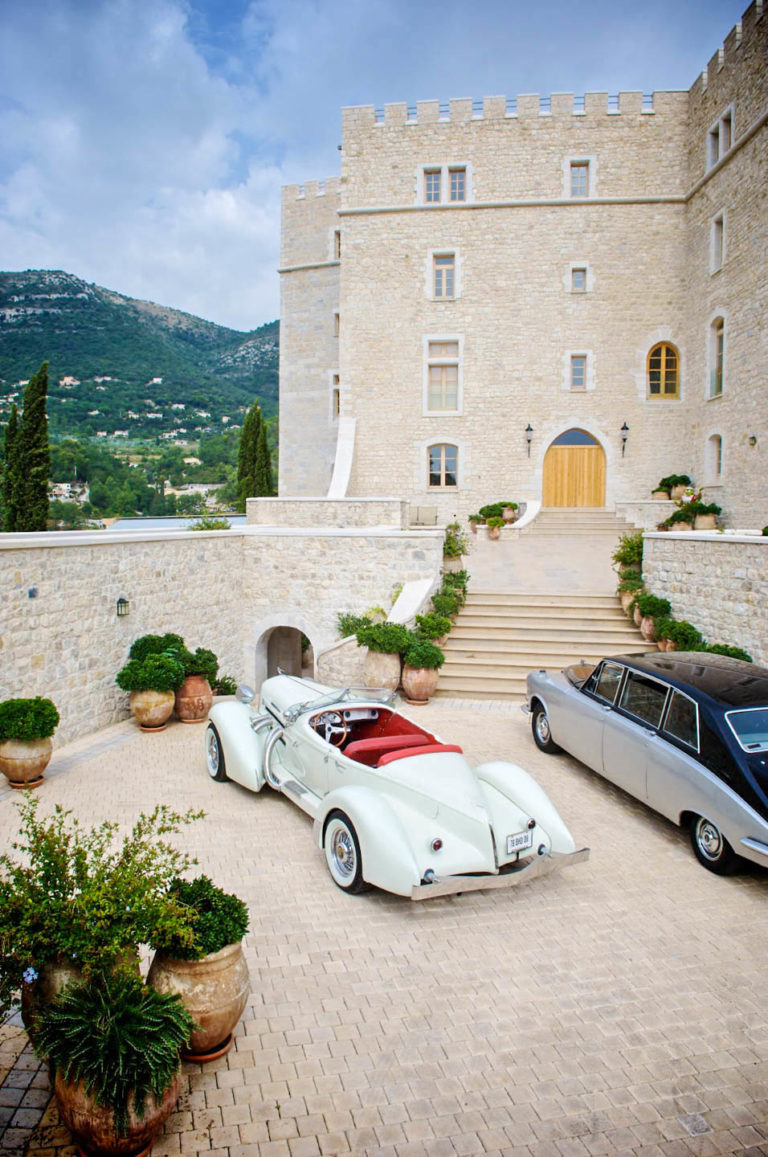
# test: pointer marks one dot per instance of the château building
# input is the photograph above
(555, 300)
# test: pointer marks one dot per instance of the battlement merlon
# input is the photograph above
(329, 187)
(310, 220)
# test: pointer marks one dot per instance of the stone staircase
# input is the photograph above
(500, 636)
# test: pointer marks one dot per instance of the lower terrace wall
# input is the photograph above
(225, 590)
(341, 512)
(718, 582)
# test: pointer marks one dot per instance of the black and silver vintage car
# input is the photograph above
(685, 732)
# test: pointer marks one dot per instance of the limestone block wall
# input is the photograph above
(717, 582)
(226, 590)
(341, 513)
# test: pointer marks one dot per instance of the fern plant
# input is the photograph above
(119, 1038)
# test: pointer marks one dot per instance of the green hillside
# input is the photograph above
(118, 364)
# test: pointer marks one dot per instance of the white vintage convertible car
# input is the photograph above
(393, 806)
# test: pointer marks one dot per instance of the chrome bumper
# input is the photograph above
(540, 866)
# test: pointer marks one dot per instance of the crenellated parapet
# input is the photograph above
(310, 219)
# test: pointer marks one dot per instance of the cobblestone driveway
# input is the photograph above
(616, 1007)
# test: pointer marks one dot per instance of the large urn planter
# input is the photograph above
(214, 990)
(53, 978)
(453, 565)
(381, 670)
(626, 597)
(419, 684)
(23, 761)
(194, 699)
(152, 709)
(677, 492)
(705, 522)
(647, 628)
(682, 526)
(637, 616)
(93, 1125)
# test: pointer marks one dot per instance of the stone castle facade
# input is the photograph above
(554, 301)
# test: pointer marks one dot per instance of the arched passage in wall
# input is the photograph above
(278, 640)
(574, 471)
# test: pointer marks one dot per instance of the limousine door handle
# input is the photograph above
(607, 708)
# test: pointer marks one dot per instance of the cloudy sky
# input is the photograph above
(143, 143)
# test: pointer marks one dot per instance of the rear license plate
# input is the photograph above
(519, 842)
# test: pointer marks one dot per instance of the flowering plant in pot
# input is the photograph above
(113, 1045)
(421, 661)
(209, 974)
(26, 727)
(152, 674)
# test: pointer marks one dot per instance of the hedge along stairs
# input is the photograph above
(543, 597)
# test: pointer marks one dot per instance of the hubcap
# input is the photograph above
(542, 727)
(709, 839)
(213, 753)
(343, 852)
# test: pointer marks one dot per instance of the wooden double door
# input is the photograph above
(574, 471)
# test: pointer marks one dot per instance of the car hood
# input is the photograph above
(282, 692)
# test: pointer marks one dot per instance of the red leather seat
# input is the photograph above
(429, 749)
(369, 751)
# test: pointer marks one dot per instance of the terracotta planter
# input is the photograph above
(93, 1126)
(637, 617)
(214, 990)
(152, 709)
(419, 684)
(494, 532)
(194, 699)
(705, 522)
(474, 527)
(380, 670)
(626, 598)
(509, 514)
(647, 628)
(23, 761)
(670, 645)
(452, 565)
(681, 526)
(660, 496)
(54, 976)
(677, 492)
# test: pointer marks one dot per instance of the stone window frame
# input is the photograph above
(444, 170)
(717, 354)
(589, 164)
(720, 137)
(589, 371)
(334, 400)
(568, 281)
(430, 273)
(713, 459)
(429, 361)
(717, 242)
(442, 487)
(663, 394)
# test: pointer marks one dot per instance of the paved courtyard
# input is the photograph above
(617, 1007)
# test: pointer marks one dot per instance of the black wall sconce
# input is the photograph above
(753, 439)
(123, 607)
(529, 437)
(624, 436)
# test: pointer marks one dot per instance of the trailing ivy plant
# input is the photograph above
(118, 1037)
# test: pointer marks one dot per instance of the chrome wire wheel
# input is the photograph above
(214, 756)
(342, 853)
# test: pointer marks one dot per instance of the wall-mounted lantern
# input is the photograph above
(624, 436)
(123, 607)
(529, 437)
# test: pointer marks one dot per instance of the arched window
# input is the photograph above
(714, 457)
(443, 465)
(663, 371)
(716, 357)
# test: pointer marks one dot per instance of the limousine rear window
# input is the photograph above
(682, 720)
(644, 698)
(750, 728)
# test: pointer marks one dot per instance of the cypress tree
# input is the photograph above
(32, 453)
(9, 471)
(263, 470)
(246, 459)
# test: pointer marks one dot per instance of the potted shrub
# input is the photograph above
(195, 696)
(421, 662)
(210, 975)
(113, 1045)
(650, 607)
(662, 627)
(629, 586)
(705, 515)
(682, 519)
(385, 643)
(509, 511)
(475, 520)
(446, 603)
(495, 524)
(153, 673)
(454, 546)
(432, 626)
(628, 555)
(26, 727)
(74, 903)
(683, 636)
(675, 484)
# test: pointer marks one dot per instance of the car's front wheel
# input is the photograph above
(342, 853)
(711, 848)
(542, 733)
(214, 756)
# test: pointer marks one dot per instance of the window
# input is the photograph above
(579, 279)
(717, 240)
(337, 244)
(443, 465)
(663, 372)
(720, 138)
(432, 185)
(335, 398)
(714, 457)
(444, 276)
(336, 325)
(442, 376)
(643, 698)
(682, 720)
(579, 178)
(578, 371)
(458, 179)
(716, 357)
(607, 682)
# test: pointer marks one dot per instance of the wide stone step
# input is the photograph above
(515, 599)
(517, 633)
(478, 615)
(481, 687)
(550, 654)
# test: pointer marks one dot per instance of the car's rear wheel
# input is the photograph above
(542, 733)
(342, 853)
(214, 755)
(711, 848)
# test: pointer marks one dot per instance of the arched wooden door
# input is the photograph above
(574, 471)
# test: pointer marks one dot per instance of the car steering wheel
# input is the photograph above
(333, 725)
